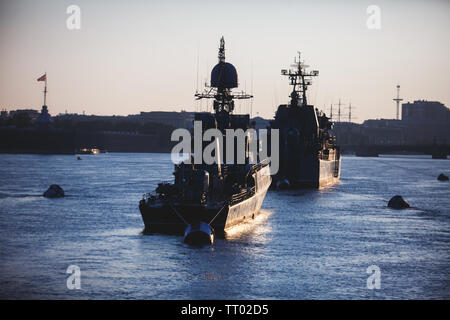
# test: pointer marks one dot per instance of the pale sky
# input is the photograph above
(132, 56)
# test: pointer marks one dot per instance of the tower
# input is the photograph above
(398, 99)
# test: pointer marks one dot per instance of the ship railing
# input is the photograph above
(243, 195)
(153, 193)
(259, 165)
(150, 197)
(149, 194)
(323, 156)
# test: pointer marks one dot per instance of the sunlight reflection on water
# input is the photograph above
(306, 244)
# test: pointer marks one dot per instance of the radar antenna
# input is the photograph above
(223, 79)
(300, 79)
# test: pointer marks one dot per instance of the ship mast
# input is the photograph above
(221, 85)
(300, 79)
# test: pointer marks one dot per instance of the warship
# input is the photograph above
(309, 155)
(208, 199)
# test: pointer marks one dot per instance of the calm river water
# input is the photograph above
(306, 245)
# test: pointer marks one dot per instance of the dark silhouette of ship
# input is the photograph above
(207, 199)
(309, 155)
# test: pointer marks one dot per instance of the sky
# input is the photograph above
(133, 56)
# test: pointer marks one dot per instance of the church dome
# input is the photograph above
(224, 75)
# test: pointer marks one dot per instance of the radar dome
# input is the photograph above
(224, 75)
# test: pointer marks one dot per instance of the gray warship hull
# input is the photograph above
(163, 217)
(210, 197)
(309, 154)
(317, 173)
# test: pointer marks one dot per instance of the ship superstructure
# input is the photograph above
(309, 155)
(207, 199)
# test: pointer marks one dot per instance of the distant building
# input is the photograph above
(373, 132)
(423, 122)
(34, 114)
(44, 120)
(382, 123)
(181, 119)
(76, 116)
(426, 112)
(260, 123)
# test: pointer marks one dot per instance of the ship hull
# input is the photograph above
(163, 217)
(323, 173)
(313, 174)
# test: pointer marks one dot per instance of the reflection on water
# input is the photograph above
(252, 230)
(305, 244)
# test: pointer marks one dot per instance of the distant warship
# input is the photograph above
(207, 199)
(309, 155)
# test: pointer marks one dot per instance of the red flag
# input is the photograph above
(43, 78)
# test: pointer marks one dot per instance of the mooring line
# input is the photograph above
(177, 213)
(226, 204)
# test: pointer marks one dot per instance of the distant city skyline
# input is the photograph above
(135, 56)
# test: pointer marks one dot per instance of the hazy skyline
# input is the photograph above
(132, 56)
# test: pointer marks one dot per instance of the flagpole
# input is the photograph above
(45, 89)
